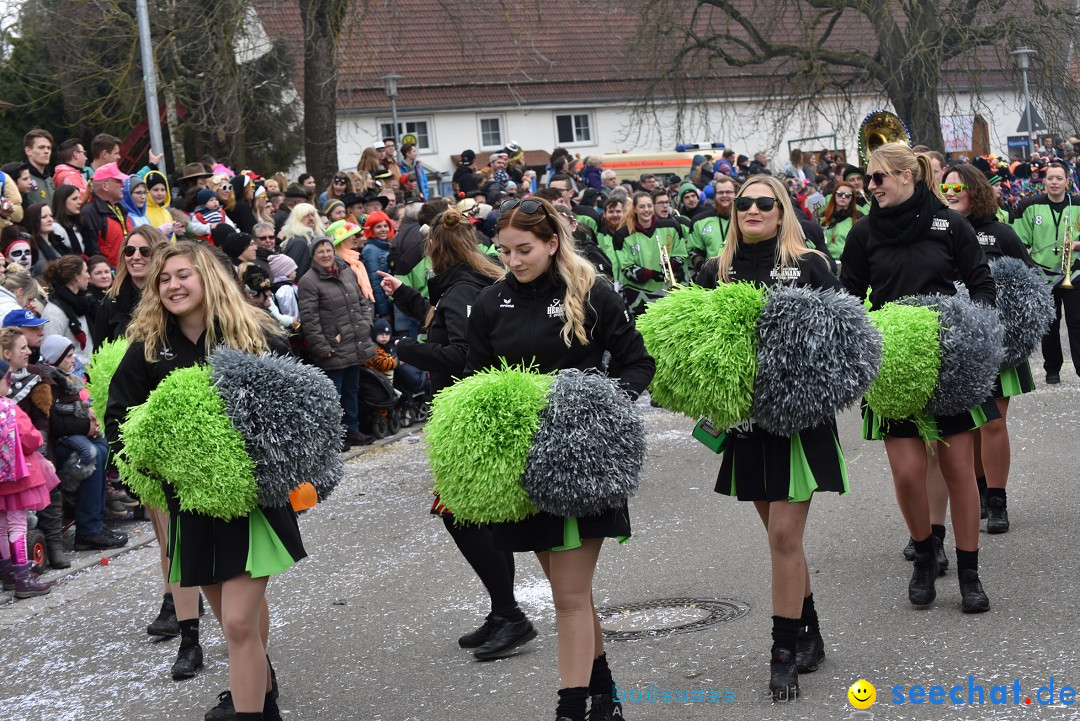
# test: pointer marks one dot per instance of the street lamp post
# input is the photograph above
(153, 117)
(390, 81)
(1023, 62)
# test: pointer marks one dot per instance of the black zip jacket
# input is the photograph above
(114, 314)
(814, 236)
(407, 249)
(949, 252)
(758, 263)
(453, 294)
(999, 240)
(522, 323)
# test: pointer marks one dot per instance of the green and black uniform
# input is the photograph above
(1041, 225)
(639, 261)
(707, 237)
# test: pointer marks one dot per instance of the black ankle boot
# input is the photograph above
(783, 675)
(165, 624)
(972, 596)
(909, 550)
(926, 571)
(477, 638)
(997, 518)
(939, 551)
(809, 651)
(505, 638)
(189, 660)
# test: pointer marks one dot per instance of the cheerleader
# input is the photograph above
(969, 193)
(552, 312)
(190, 306)
(911, 244)
(765, 246)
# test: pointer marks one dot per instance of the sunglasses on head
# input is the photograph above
(744, 203)
(143, 250)
(340, 181)
(528, 207)
(954, 188)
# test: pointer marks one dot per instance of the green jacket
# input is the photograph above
(641, 252)
(1042, 225)
(417, 278)
(836, 236)
(707, 238)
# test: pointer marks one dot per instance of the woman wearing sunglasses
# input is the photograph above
(968, 192)
(765, 246)
(114, 314)
(841, 212)
(637, 246)
(912, 244)
(551, 311)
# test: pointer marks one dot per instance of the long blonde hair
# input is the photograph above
(898, 157)
(230, 319)
(576, 273)
(791, 245)
(153, 237)
(294, 223)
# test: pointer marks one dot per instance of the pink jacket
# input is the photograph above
(69, 175)
(25, 455)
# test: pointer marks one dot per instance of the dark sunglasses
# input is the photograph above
(843, 195)
(340, 181)
(743, 203)
(954, 188)
(528, 207)
(143, 250)
(878, 178)
(264, 237)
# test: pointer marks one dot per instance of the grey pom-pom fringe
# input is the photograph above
(971, 352)
(290, 417)
(819, 352)
(587, 454)
(1025, 303)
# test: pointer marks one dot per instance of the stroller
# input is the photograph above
(385, 410)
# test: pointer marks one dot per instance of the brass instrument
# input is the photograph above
(1066, 253)
(878, 128)
(665, 263)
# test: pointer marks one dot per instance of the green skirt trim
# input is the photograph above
(925, 422)
(572, 536)
(174, 558)
(267, 555)
(1015, 381)
(803, 484)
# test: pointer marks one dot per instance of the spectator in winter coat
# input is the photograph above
(103, 221)
(336, 322)
(70, 310)
(37, 144)
(69, 171)
(591, 173)
(379, 231)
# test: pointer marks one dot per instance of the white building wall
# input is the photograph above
(743, 126)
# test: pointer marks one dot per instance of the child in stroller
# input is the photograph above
(393, 395)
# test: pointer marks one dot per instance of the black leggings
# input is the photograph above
(494, 566)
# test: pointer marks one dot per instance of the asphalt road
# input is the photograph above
(366, 627)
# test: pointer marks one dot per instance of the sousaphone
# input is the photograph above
(878, 128)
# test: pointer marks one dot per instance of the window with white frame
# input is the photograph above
(420, 127)
(573, 128)
(491, 132)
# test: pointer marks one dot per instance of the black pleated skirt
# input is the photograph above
(926, 426)
(548, 532)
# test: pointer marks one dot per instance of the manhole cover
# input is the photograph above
(665, 616)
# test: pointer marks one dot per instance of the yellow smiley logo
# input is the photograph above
(862, 694)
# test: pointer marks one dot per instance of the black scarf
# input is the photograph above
(907, 222)
(839, 216)
(74, 307)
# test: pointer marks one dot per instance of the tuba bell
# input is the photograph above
(878, 128)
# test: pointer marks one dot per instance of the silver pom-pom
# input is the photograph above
(971, 352)
(818, 354)
(290, 417)
(587, 454)
(1025, 303)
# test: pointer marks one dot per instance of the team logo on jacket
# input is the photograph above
(507, 303)
(786, 273)
(940, 224)
(985, 239)
(556, 310)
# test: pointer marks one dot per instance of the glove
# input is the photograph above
(639, 274)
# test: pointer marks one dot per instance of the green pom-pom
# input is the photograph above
(910, 358)
(100, 371)
(479, 435)
(705, 344)
(182, 435)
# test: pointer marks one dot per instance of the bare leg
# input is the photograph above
(185, 598)
(787, 521)
(957, 464)
(937, 493)
(571, 575)
(907, 459)
(996, 455)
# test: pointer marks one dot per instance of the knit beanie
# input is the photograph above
(379, 327)
(328, 206)
(203, 196)
(687, 188)
(235, 244)
(281, 265)
(54, 348)
(154, 179)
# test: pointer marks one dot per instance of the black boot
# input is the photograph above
(809, 651)
(997, 518)
(972, 596)
(188, 661)
(926, 571)
(939, 551)
(909, 550)
(224, 711)
(165, 625)
(476, 638)
(783, 675)
(604, 707)
(51, 522)
(505, 638)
